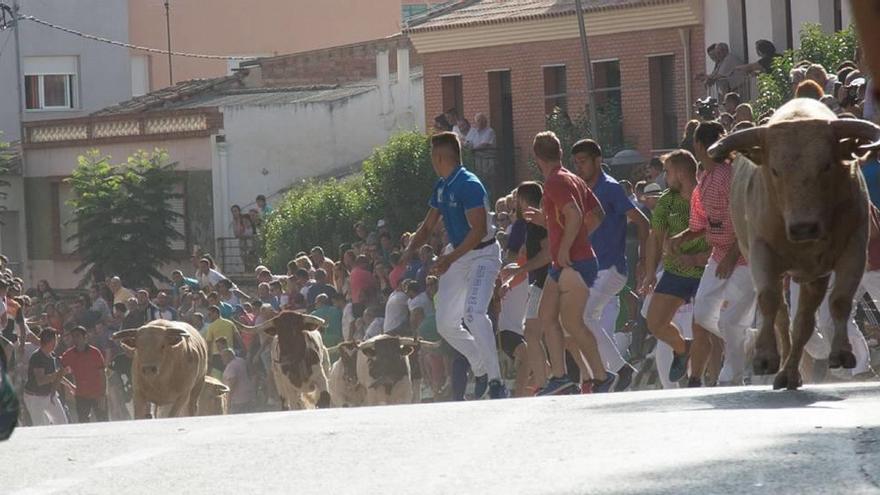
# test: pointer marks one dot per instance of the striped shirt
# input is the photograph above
(710, 210)
(671, 215)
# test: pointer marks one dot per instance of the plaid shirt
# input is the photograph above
(710, 210)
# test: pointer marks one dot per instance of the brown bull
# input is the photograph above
(300, 362)
(168, 366)
(801, 210)
(345, 389)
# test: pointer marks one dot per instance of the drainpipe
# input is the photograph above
(685, 35)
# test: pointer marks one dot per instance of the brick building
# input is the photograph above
(517, 59)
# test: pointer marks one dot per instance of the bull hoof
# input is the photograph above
(767, 364)
(843, 359)
(790, 380)
(323, 400)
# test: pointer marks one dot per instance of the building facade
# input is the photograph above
(233, 138)
(517, 60)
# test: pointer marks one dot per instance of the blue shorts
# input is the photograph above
(587, 268)
(684, 288)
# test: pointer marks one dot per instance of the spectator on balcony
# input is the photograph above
(265, 208)
(725, 77)
(482, 136)
(766, 52)
(441, 124)
(462, 128)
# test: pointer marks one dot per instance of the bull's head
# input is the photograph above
(151, 343)
(806, 162)
(386, 359)
(294, 357)
(348, 354)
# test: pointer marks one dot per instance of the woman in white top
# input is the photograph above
(207, 276)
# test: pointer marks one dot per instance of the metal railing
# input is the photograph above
(237, 256)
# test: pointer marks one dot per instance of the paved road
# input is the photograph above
(822, 440)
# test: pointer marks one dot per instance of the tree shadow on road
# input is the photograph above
(838, 460)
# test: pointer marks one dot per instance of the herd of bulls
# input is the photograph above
(170, 365)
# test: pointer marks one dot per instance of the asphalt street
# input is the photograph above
(822, 440)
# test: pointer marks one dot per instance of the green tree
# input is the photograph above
(398, 179)
(828, 50)
(124, 216)
(570, 131)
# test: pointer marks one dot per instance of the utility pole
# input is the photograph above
(18, 68)
(588, 71)
(168, 32)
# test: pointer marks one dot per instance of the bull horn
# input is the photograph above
(743, 140)
(314, 320)
(368, 344)
(254, 329)
(860, 130)
(128, 333)
(429, 344)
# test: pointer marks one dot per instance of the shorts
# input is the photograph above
(510, 341)
(588, 269)
(534, 302)
(684, 288)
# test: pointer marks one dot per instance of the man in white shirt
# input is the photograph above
(481, 135)
(397, 312)
(374, 324)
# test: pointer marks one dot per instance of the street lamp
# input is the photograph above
(168, 33)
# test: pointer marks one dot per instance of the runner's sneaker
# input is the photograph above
(587, 388)
(680, 362)
(624, 377)
(480, 384)
(605, 386)
(558, 386)
(497, 390)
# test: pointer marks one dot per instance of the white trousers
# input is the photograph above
(45, 409)
(464, 293)
(819, 345)
(601, 320)
(726, 307)
(513, 308)
(663, 354)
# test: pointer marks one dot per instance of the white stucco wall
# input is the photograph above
(717, 26)
(802, 12)
(270, 148)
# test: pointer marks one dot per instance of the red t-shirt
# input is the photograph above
(88, 371)
(360, 280)
(562, 187)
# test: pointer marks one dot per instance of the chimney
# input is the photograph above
(383, 78)
(403, 79)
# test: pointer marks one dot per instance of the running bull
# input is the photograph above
(300, 362)
(345, 389)
(800, 206)
(169, 363)
(383, 368)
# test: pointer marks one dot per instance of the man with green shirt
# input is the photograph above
(332, 315)
(681, 273)
(219, 328)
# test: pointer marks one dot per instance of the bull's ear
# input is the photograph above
(369, 352)
(126, 337)
(270, 330)
(173, 339)
(406, 350)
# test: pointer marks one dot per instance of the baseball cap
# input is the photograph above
(653, 189)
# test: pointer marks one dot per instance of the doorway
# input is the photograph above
(501, 120)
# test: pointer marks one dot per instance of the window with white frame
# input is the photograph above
(50, 83)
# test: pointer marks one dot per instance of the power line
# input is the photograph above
(128, 45)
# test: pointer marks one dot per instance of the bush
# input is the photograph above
(316, 214)
(828, 50)
(396, 183)
(398, 180)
